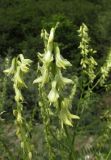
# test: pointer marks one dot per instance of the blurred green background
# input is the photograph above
(21, 22)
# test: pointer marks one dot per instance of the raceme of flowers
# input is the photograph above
(51, 64)
(19, 67)
(88, 63)
(105, 69)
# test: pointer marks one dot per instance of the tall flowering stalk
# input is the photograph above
(106, 68)
(88, 63)
(51, 85)
(19, 67)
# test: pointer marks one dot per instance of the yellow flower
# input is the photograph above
(65, 115)
(61, 81)
(60, 61)
(44, 77)
(38, 80)
(24, 63)
(18, 95)
(30, 155)
(52, 32)
(17, 78)
(51, 36)
(53, 94)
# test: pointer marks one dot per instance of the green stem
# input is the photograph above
(96, 84)
(72, 152)
(60, 142)
(108, 156)
(46, 121)
(10, 156)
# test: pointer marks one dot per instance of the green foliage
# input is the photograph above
(21, 21)
(61, 100)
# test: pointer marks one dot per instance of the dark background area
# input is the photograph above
(21, 22)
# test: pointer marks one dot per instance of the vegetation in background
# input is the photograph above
(60, 100)
(21, 21)
(76, 86)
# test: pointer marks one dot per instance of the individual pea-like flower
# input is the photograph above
(17, 78)
(65, 116)
(44, 36)
(24, 63)
(48, 57)
(30, 155)
(60, 61)
(40, 57)
(18, 95)
(53, 94)
(12, 69)
(38, 80)
(44, 77)
(62, 81)
(51, 36)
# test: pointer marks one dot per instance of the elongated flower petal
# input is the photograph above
(62, 81)
(48, 57)
(67, 80)
(65, 115)
(44, 77)
(44, 36)
(17, 78)
(60, 61)
(38, 80)
(51, 36)
(24, 63)
(64, 119)
(18, 96)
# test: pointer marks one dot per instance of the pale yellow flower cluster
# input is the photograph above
(19, 67)
(50, 66)
(88, 63)
(106, 68)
